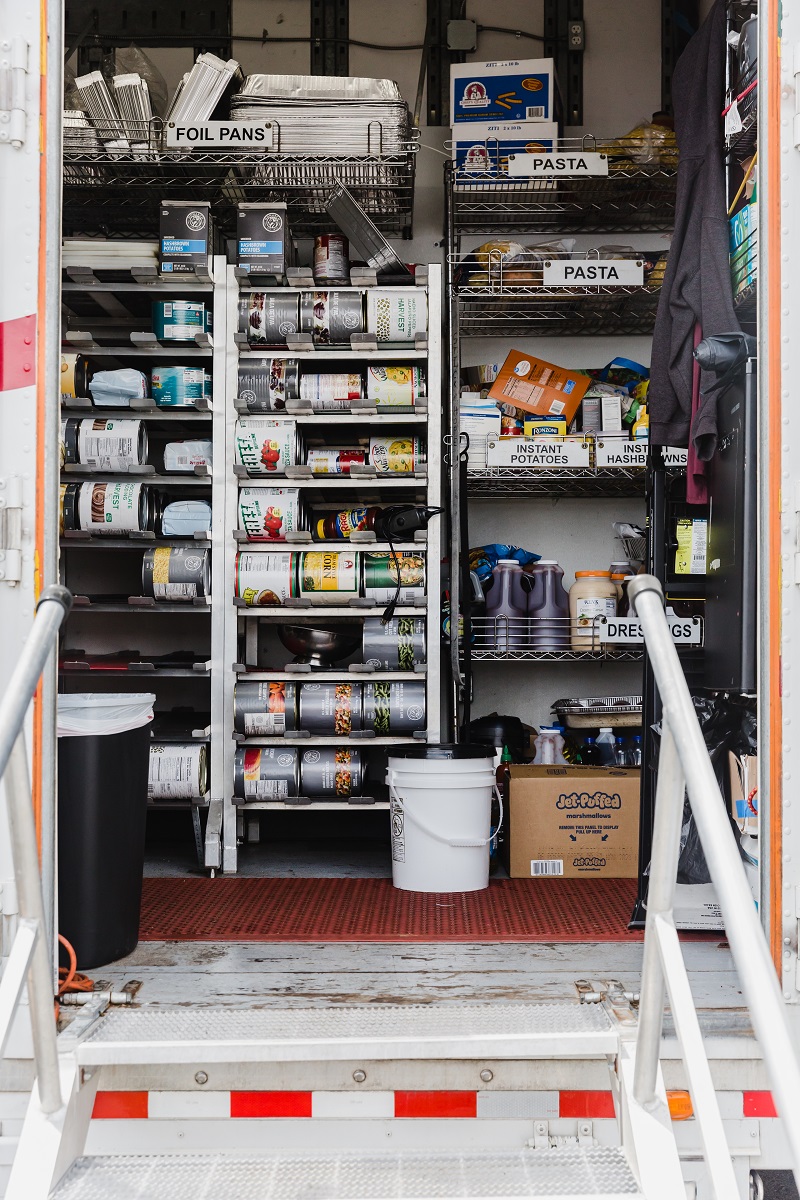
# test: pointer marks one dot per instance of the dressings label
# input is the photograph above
(520, 452)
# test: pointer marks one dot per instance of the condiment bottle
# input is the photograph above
(591, 597)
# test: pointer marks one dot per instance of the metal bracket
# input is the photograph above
(330, 30)
(213, 840)
(11, 530)
(13, 70)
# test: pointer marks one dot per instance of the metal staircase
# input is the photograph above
(356, 1050)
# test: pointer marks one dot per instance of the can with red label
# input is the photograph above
(266, 447)
(266, 772)
(264, 708)
(331, 393)
(335, 460)
(263, 579)
(331, 258)
(267, 514)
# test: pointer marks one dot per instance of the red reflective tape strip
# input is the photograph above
(758, 1104)
(119, 1106)
(586, 1104)
(436, 1104)
(17, 353)
(270, 1104)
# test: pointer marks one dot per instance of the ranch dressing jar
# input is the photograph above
(592, 595)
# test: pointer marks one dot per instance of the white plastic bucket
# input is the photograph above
(441, 822)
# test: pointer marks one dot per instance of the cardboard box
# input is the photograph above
(515, 90)
(483, 147)
(539, 387)
(262, 239)
(573, 822)
(186, 239)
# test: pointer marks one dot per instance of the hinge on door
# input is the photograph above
(543, 1139)
(13, 71)
(11, 530)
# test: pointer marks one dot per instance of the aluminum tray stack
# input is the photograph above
(132, 97)
(103, 111)
(202, 88)
(592, 711)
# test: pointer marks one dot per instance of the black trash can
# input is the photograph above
(102, 813)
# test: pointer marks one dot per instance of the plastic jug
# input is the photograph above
(506, 608)
(549, 747)
(606, 744)
(548, 607)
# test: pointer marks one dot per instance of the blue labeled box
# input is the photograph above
(517, 90)
(483, 149)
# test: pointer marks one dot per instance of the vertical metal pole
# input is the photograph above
(663, 874)
(454, 457)
(40, 979)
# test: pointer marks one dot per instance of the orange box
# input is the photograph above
(539, 387)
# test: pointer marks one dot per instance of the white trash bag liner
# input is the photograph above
(89, 714)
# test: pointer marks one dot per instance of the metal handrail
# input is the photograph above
(684, 763)
(53, 606)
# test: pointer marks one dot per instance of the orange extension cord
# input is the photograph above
(69, 980)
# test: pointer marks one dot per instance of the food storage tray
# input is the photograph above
(591, 711)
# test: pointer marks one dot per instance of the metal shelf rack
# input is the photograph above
(502, 483)
(524, 311)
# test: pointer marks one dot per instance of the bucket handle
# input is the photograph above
(455, 843)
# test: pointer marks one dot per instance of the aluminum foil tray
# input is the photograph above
(319, 87)
(589, 712)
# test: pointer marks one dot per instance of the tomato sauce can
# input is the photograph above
(330, 709)
(265, 447)
(268, 514)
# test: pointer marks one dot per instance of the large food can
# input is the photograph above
(68, 511)
(331, 773)
(395, 387)
(265, 447)
(330, 709)
(381, 570)
(268, 514)
(396, 455)
(343, 524)
(110, 445)
(331, 258)
(177, 387)
(69, 440)
(178, 772)
(394, 709)
(263, 579)
(331, 393)
(114, 508)
(267, 318)
(398, 645)
(328, 576)
(176, 573)
(266, 773)
(397, 314)
(180, 320)
(331, 317)
(76, 374)
(264, 709)
(335, 460)
(266, 384)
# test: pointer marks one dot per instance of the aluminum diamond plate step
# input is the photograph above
(378, 1032)
(562, 1173)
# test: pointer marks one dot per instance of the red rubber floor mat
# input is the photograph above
(371, 910)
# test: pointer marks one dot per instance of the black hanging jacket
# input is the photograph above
(697, 282)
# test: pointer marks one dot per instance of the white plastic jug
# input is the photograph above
(441, 804)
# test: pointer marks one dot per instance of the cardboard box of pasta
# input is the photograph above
(539, 387)
(573, 822)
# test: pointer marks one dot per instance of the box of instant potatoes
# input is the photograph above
(539, 387)
(572, 822)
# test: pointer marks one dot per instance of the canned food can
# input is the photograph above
(266, 447)
(267, 318)
(180, 320)
(105, 444)
(176, 573)
(331, 258)
(264, 709)
(399, 645)
(68, 498)
(177, 387)
(328, 576)
(76, 374)
(343, 524)
(114, 508)
(178, 772)
(380, 572)
(393, 709)
(330, 709)
(396, 455)
(397, 314)
(395, 387)
(331, 772)
(69, 440)
(264, 579)
(331, 393)
(266, 773)
(335, 460)
(266, 385)
(268, 514)
(331, 317)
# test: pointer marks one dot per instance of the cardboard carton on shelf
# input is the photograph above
(539, 387)
(513, 90)
(573, 822)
